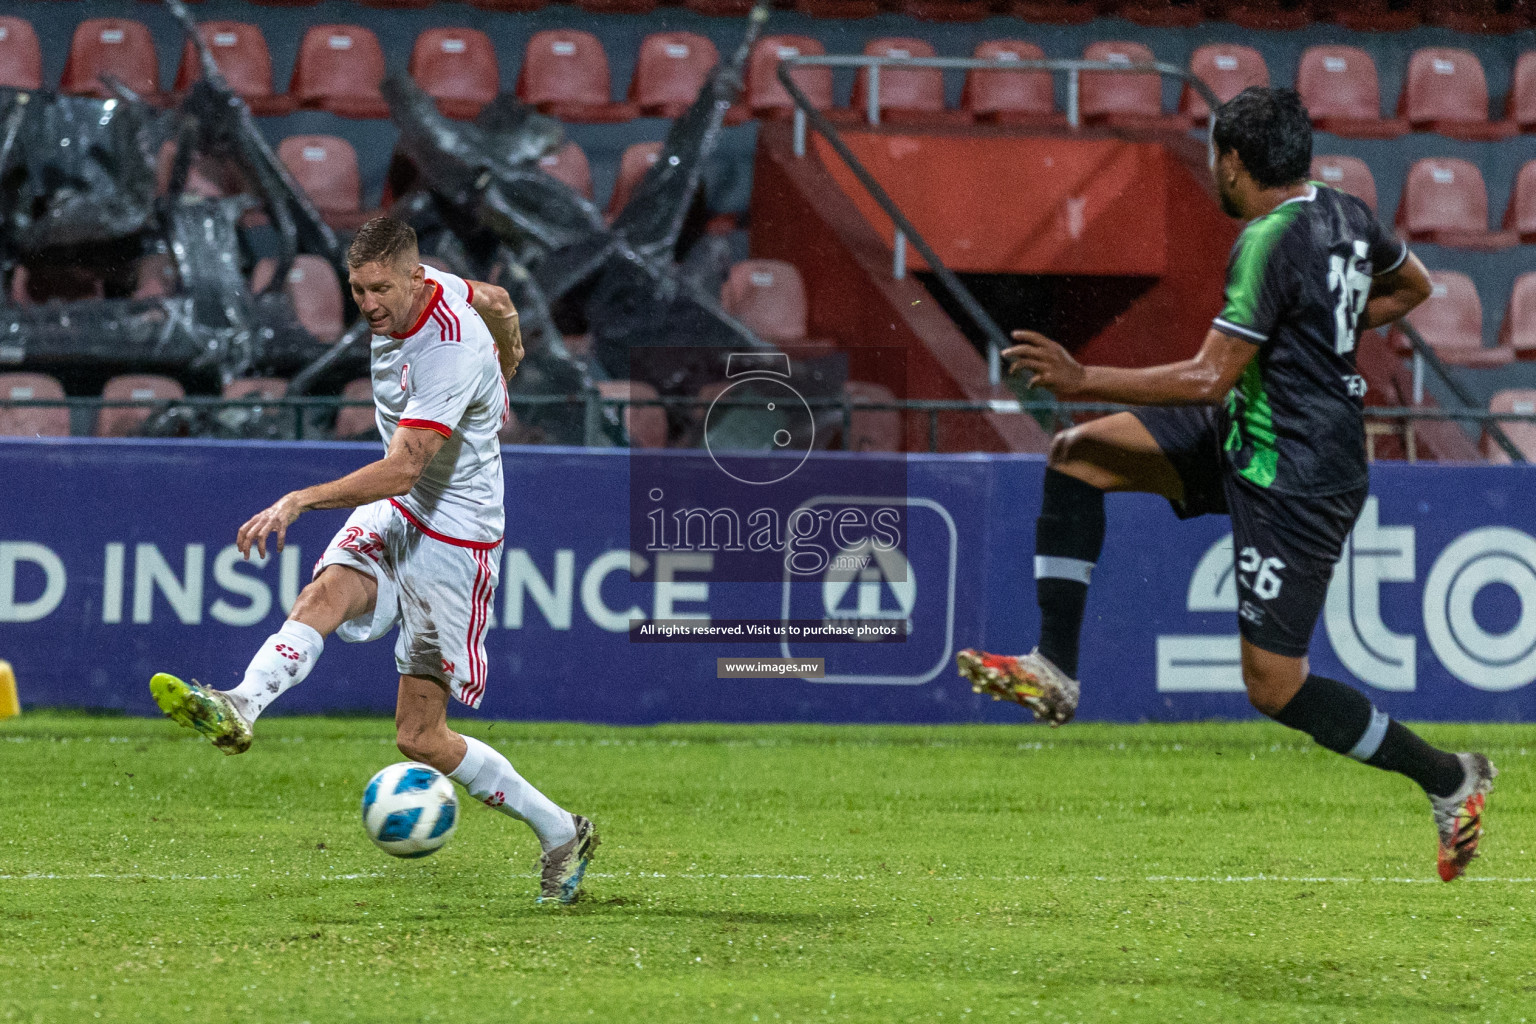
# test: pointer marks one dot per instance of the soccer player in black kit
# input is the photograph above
(1264, 424)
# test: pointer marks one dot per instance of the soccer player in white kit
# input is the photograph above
(423, 548)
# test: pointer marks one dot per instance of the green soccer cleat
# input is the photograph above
(208, 711)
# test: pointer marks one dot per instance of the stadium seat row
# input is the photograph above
(325, 168)
(339, 68)
(645, 426)
(1359, 15)
(767, 295)
(565, 72)
(1444, 200)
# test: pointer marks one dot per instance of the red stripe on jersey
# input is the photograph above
(473, 545)
(469, 287)
(421, 321)
(468, 692)
(477, 630)
(446, 431)
(449, 321)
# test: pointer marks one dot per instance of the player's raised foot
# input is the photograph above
(198, 707)
(1459, 817)
(563, 867)
(1028, 679)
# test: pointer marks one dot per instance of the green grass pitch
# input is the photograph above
(1212, 872)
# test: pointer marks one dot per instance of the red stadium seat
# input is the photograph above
(206, 177)
(769, 297)
(21, 60)
(357, 422)
(125, 420)
(457, 68)
(1520, 214)
(1338, 84)
(565, 73)
(637, 159)
(765, 95)
(325, 167)
(1270, 15)
(644, 425)
(315, 291)
(518, 6)
(617, 6)
(1522, 435)
(1445, 91)
(1451, 321)
(339, 69)
(1495, 17)
(1160, 13)
(720, 8)
(838, 8)
(1376, 15)
(1123, 100)
(32, 421)
(915, 92)
(874, 430)
(241, 52)
(569, 164)
(111, 46)
(1054, 12)
(1347, 174)
(1518, 332)
(1011, 97)
(269, 388)
(1228, 69)
(947, 10)
(65, 284)
(670, 70)
(1520, 104)
(1445, 201)
(157, 277)
(905, 93)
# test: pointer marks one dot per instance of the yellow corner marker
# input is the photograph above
(10, 705)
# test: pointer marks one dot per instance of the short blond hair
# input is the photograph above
(383, 240)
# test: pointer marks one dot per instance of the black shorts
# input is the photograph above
(1285, 545)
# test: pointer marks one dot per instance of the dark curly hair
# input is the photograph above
(1271, 133)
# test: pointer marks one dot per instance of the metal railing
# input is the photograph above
(1071, 66)
(1057, 415)
(806, 114)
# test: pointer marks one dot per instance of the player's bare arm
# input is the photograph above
(1202, 380)
(393, 475)
(495, 307)
(1396, 292)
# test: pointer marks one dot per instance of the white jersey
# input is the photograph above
(443, 375)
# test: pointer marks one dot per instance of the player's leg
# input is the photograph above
(339, 594)
(1116, 453)
(1343, 720)
(422, 734)
(446, 598)
(1286, 547)
(284, 660)
(351, 594)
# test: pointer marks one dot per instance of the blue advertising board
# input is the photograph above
(117, 560)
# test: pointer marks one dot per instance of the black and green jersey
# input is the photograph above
(1297, 287)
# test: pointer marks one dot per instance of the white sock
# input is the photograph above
(283, 661)
(491, 779)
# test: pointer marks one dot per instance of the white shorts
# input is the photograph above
(439, 591)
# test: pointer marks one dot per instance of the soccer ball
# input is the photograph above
(409, 809)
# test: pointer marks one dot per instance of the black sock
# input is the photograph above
(1068, 538)
(1343, 720)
